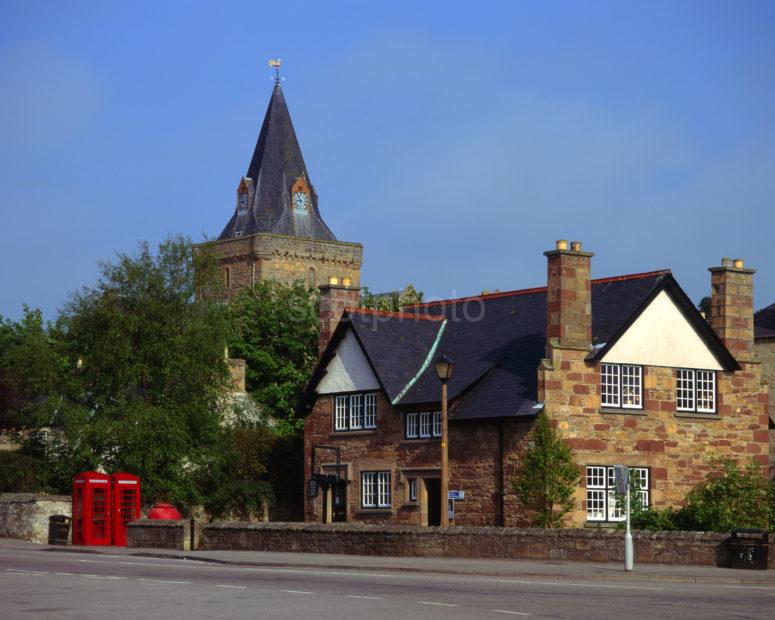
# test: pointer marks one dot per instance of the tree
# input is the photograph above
(276, 333)
(137, 376)
(705, 307)
(548, 478)
(394, 301)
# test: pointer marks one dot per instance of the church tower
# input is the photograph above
(276, 230)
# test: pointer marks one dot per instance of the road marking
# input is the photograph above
(572, 585)
(64, 573)
(27, 572)
(320, 572)
(513, 613)
(433, 603)
(747, 587)
(296, 592)
(223, 585)
(101, 576)
(161, 580)
(370, 598)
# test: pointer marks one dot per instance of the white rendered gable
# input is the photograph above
(348, 370)
(661, 336)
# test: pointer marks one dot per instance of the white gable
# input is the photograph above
(349, 370)
(661, 336)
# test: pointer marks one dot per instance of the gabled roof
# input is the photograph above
(497, 342)
(764, 322)
(277, 162)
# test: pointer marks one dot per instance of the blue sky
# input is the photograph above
(455, 140)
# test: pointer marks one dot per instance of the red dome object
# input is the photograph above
(164, 511)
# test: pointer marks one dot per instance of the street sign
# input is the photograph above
(456, 494)
(312, 488)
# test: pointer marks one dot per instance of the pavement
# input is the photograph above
(529, 569)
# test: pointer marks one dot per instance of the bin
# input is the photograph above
(58, 529)
(748, 549)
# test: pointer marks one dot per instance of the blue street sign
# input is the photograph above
(456, 494)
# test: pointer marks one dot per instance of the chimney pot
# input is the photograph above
(562, 244)
(575, 246)
(726, 262)
(738, 263)
(345, 281)
(333, 280)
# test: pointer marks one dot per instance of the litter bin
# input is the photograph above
(58, 529)
(748, 549)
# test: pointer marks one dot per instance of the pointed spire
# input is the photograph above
(275, 171)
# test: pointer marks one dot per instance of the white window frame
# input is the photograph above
(601, 493)
(376, 489)
(412, 425)
(621, 386)
(695, 390)
(355, 412)
(370, 410)
(436, 424)
(426, 425)
(412, 489)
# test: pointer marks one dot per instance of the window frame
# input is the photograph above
(619, 385)
(412, 482)
(413, 425)
(381, 486)
(354, 416)
(711, 392)
(604, 494)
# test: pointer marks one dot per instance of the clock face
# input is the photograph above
(242, 201)
(300, 201)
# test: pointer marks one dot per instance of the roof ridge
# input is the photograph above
(400, 315)
(540, 289)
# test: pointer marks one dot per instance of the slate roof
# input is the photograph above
(497, 342)
(764, 322)
(277, 162)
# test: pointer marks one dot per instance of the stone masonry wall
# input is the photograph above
(162, 534)
(285, 259)
(473, 461)
(765, 353)
(25, 515)
(688, 548)
(677, 447)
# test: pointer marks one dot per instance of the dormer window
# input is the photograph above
(242, 202)
(238, 233)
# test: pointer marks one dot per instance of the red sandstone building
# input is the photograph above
(625, 367)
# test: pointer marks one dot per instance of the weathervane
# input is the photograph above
(275, 64)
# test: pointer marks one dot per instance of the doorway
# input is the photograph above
(339, 489)
(433, 490)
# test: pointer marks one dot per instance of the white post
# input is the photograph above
(628, 535)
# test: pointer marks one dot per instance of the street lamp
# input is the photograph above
(444, 367)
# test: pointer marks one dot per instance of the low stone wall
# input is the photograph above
(586, 545)
(163, 534)
(25, 515)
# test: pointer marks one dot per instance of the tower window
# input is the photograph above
(227, 277)
(312, 278)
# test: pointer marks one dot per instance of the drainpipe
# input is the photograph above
(501, 507)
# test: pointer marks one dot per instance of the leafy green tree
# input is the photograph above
(394, 301)
(276, 333)
(135, 375)
(549, 477)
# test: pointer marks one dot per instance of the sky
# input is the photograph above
(456, 140)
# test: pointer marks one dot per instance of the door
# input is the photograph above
(433, 488)
(340, 501)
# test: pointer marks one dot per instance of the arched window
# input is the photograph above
(312, 278)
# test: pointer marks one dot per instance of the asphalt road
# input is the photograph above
(44, 584)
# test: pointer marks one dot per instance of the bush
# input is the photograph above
(730, 497)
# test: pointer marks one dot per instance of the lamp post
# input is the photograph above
(444, 367)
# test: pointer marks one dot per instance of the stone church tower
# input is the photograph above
(276, 230)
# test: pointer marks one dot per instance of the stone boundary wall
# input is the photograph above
(163, 534)
(583, 545)
(25, 515)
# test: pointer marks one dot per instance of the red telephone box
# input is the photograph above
(91, 509)
(126, 504)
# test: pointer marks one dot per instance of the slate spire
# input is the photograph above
(275, 181)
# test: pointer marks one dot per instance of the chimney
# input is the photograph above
(731, 315)
(569, 295)
(334, 298)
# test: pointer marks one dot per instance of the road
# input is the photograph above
(45, 584)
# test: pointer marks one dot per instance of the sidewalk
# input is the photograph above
(514, 569)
